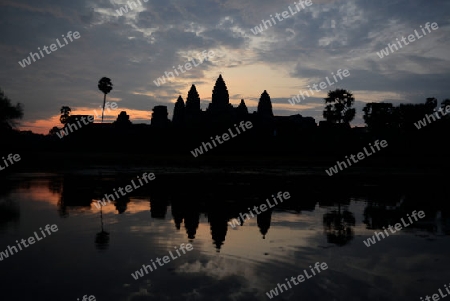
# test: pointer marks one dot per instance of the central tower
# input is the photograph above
(220, 96)
(220, 111)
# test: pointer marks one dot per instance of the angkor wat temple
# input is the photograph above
(220, 113)
(191, 126)
(291, 137)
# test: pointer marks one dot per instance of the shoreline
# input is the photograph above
(289, 165)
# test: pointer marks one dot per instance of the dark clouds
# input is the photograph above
(138, 47)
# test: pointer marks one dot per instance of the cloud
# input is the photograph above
(137, 48)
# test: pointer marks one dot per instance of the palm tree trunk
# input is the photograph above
(103, 110)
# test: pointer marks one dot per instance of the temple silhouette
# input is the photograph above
(186, 205)
(413, 131)
(190, 126)
(220, 113)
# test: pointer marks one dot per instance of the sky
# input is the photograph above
(301, 47)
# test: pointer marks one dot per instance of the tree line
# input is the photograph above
(339, 110)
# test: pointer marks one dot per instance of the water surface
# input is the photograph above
(94, 252)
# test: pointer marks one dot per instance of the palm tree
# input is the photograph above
(104, 85)
(444, 104)
(53, 131)
(338, 107)
(65, 112)
(8, 112)
(102, 238)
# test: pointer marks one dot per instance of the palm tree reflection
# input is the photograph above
(102, 238)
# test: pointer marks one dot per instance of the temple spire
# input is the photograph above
(220, 96)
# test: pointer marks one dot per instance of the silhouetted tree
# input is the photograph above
(179, 112)
(53, 131)
(444, 104)
(104, 85)
(65, 113)
(431, 103)
(8, 112)
(9, 212)
(379, 116)
(411, 113)
(338, 107)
